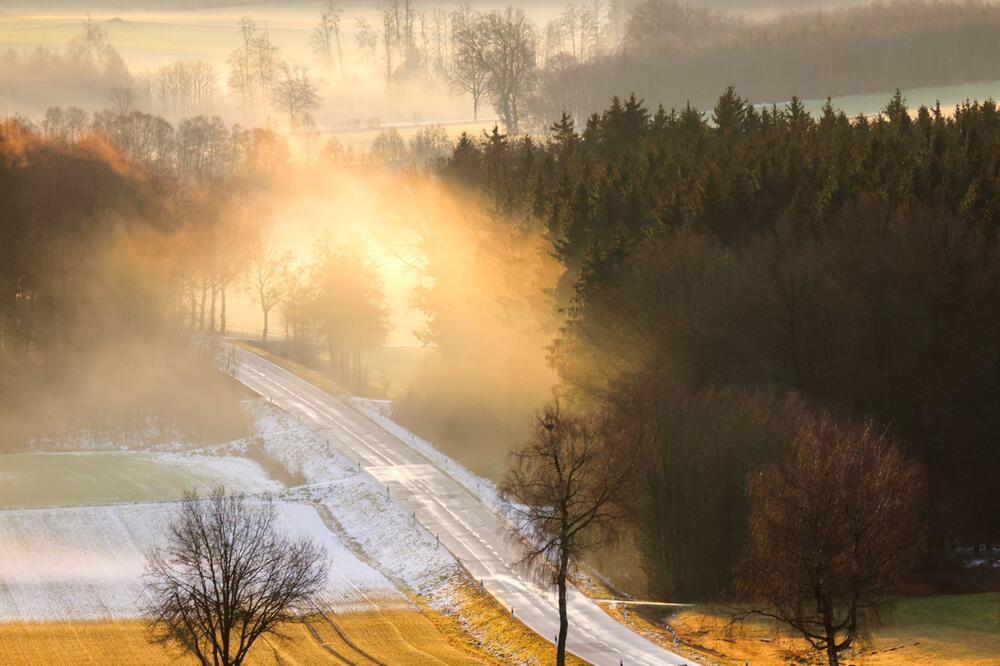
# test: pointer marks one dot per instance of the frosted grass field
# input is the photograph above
(87, 562)
(74, 527)
(60, 479)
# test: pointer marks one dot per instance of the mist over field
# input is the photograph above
(524, 332)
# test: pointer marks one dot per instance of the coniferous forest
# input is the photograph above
(730, 271)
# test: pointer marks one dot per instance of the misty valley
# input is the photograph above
(391, 332)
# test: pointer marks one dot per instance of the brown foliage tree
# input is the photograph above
(227, 576)
(565, 489)
(833, 532)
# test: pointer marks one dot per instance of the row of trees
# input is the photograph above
(671, 53)
(258, 75)
(429, 42)
(92, 272)
(493, 55)
(198, 149)
(729, 274)
(185, 87)
(92, 68)
(203, 148)
(156, 228)
(90, 65)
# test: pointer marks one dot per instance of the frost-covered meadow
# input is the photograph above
(75, 526)
(87, 562)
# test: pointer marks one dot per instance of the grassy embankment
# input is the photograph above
(944, 630)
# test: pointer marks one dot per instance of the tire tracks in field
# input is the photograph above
(326, 646)
(343, 636)
(326, 515)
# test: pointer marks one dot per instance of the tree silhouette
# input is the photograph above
(228, 576)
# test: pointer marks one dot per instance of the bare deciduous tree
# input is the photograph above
(202, 147)
(266, 281)
(241, 78)
(366, 38)
(255, 66)
(185, 86)
(506, 48)
(469, 73)
(833, 532)
(295, 93)
(327, 33)
(227, 576)
(565, 489)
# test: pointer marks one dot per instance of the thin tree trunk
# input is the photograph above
(356, 367)
(334, 361)
(201, 305)
(831, 647)
(563, 618)
(194, 308)
(211, 316)
(264, 334)
(340, 53)
(222, 312)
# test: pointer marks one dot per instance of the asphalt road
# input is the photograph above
(466, 526)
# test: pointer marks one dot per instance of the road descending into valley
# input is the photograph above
(467, 527)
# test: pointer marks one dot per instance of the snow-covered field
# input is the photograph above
(78, 553)
(87, 562)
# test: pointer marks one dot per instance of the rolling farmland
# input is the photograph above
(394, 637)
(72, 547)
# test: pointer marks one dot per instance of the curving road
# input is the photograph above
(465, 525)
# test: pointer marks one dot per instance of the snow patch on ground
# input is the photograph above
(354, 504)
(88, 562)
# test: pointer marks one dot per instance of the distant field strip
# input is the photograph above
(43, 479)
(394, 638)
(84, 563)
